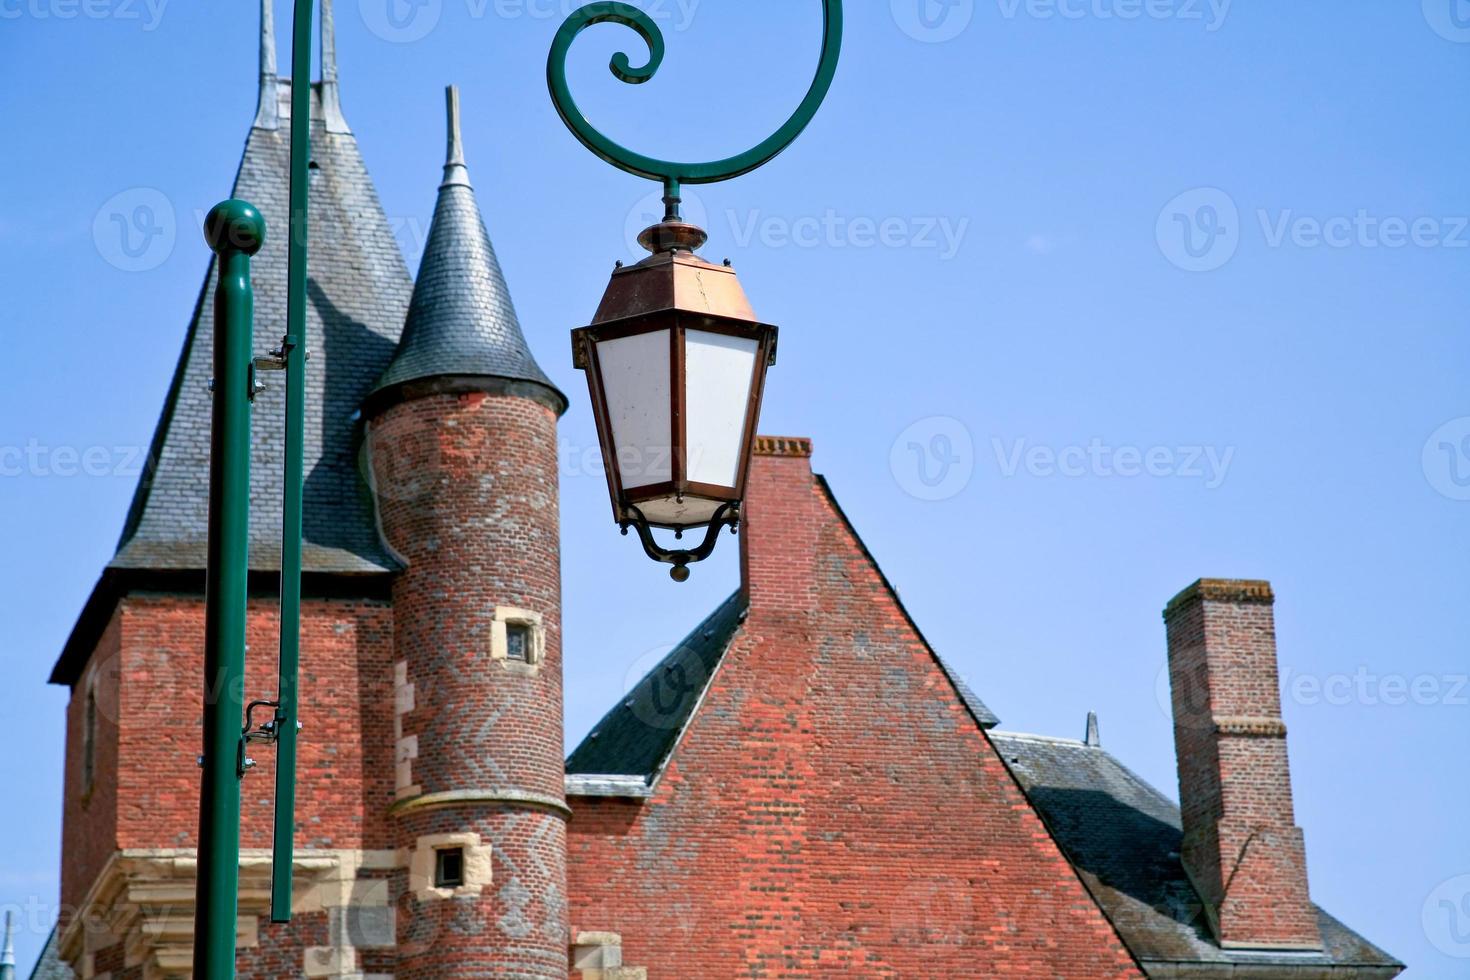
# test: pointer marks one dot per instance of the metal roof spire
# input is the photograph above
(7, 955)
(455, 171)
(331, 101)
(461, 326)
(267, 109)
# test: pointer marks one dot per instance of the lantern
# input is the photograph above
(676, 363)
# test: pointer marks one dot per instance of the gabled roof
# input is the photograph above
(1123, 836)
(461, 322)
(636, 737)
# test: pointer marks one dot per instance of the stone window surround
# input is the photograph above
(477, 865)
(500, 647)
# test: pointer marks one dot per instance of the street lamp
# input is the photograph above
(675, 357)
(676, 363)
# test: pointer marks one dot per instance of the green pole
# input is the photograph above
(293, 349)
(235, 231)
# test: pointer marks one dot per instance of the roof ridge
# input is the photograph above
(640, 732)
(981, 712)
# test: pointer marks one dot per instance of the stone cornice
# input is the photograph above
(793, 446)
(470, 797)
(1221, 590)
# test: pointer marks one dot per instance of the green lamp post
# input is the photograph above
(235, 231)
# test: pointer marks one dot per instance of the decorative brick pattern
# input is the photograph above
(833, 809)
(467, 496)
(1242, 848)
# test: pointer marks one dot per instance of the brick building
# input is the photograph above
(802, 788)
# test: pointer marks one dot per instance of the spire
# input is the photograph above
(7, 954)
(462, 327)
(267, 114)
(455, 172)
(1094, 739)
(331, 102)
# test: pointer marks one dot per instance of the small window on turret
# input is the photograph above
(89, 743)
(518, 642)
(449, 867)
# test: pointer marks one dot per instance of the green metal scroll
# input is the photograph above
(672, 173)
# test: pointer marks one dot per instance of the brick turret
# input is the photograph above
(462, 439)
(1242, 848)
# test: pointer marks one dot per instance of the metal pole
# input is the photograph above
(293, 350)
(235, 231)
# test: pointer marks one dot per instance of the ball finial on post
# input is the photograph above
(234, 226)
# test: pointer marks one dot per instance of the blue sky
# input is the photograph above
(1080, 300)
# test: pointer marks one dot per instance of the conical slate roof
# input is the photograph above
(357, 297)
(461, 322)
(358, 293)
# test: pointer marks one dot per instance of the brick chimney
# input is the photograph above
(1242, 848)
(781, 522)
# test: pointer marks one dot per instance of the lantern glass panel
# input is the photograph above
(669, 511)
(636, 386)
(718, 372)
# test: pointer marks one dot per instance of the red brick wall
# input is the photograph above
(833, 809)
(467, 494)
(89, 815)
(1241, 846)
(149, 666)
(345, 761)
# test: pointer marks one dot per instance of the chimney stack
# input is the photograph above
(780, 524)
(1242, 848)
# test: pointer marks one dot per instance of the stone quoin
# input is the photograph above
(801, 788)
